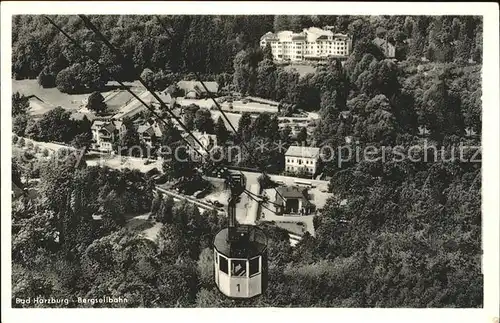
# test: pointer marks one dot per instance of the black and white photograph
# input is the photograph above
(251, 160)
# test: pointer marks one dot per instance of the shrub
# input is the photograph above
(15, 139)
(30, 144)
(21, 142)
(46, 79)
(45, 152)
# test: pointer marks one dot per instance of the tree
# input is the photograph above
(302, 136)
(265, 181)
(165, 211)
(155, 205)
(130, 140)
(149, 77)
(83, 138)
(179, 165)
(46, 79)
(177, 284)
(19, 123)
(170, 134)
(437, 106)
(221, 131)
(261, 126)
(80, 77)
(66, 80)
(170, 241)
(55, 125)
(308, 94)
(244, 126)
(286, 86)
(378, 102)
(285, 134)
(281, 23)
(96, 102)
(268, 52)
(20, 104)
(206, 267)
(203, 121)
(245, 70)
(266, 79)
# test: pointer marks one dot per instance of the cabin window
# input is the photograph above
(254, 266)
(238, 268)
(223, 266)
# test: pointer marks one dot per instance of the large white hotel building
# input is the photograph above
(310, 44)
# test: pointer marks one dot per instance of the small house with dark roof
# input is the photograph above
(150, 131)
(293, 200)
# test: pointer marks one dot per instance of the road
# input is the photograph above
(250, 211)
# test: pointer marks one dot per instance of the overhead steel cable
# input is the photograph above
(197, 75)
(164, 27)
(123, 61)
(117, 79)
(121, 58)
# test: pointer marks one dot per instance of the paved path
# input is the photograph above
(201, 204)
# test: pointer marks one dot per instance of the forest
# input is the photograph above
(408, 236)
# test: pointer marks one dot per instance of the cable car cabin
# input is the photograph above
(240, 258)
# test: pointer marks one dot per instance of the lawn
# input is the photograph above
(53, 97)
(302, 69)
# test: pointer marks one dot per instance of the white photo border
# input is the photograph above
(490, 142)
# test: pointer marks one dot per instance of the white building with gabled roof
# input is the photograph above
(298, 157)
(105, 133)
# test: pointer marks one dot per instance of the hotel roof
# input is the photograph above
(302, 151)
(311, 35)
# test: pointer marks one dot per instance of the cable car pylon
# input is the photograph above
(240, 251)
